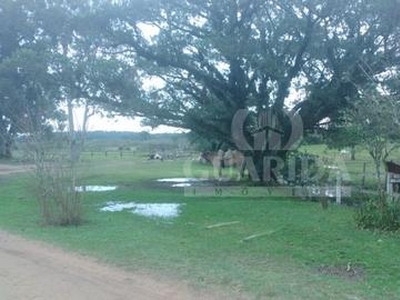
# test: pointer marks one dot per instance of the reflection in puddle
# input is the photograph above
(182, 185)
(95, 188)
(182, 180)
(117, 206)
(160, 210)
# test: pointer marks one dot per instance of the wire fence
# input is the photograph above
(360, 175)
(358, 172)
(133, 154)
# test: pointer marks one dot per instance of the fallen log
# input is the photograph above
(255, 236)
(222, 224)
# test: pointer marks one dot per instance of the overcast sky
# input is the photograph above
(97, 122)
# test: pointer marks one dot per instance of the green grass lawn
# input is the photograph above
(300, 240)
(354, 169)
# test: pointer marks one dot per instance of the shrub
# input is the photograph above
(60, 203)
(379, 214)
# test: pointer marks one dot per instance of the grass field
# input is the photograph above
(354, 169)
(303, 252)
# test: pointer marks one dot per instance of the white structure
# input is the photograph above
(392, 177)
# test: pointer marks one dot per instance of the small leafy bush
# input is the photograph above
(379, 214)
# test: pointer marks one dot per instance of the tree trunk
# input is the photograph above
(378, 174)
(353, 153)
(2, 146)
(5, 147)
(74, 145)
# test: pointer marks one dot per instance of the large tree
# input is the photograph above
(87, 77)
(376, 119)
(26, 87)
(48, 60)
(360, 40)
(224, 62)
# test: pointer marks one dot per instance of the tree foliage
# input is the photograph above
(25, 84)
(343, 135)
(214, 58)
(376, 119)
(48, 60)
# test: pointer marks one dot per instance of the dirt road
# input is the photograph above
(31, 270)
(6, 169)
(37, 271)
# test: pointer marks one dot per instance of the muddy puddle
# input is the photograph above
(95, 188)
(182, 182)
(157, 210)
(179, 185)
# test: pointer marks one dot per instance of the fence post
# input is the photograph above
(363, 178)
(389, 189)
(338, 187)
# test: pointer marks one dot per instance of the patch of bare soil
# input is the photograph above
(6, 169)
(33, 270)
(347, 272)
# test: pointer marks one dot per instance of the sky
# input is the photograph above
(99, 123)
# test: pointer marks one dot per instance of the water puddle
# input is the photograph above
(158, 210)
(184, 184)
(117, 206)
(95, 188)
(182, 180)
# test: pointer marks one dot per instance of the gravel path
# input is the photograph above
(33, 270)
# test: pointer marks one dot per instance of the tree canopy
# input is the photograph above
(214, 58)
(49, 61)
(221, 68)
(25, 84)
